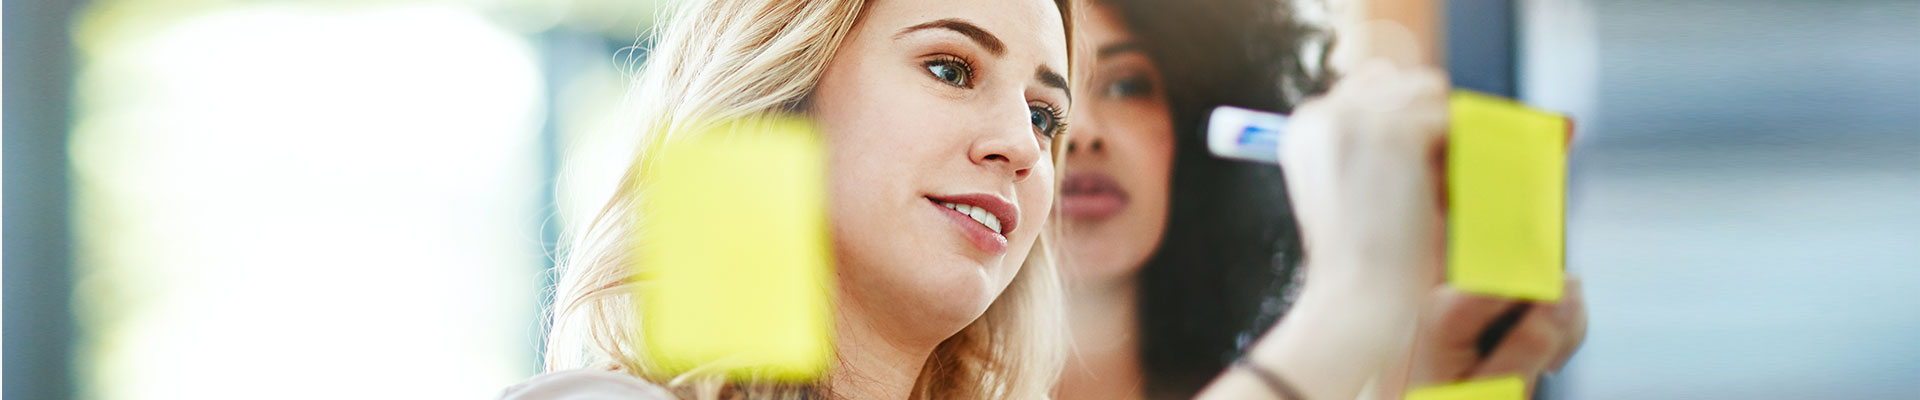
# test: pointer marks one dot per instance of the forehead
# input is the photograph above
(1099, 25)
(1031, 29)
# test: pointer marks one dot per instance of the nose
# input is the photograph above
(1010, 146)
(1089, 135)
(1085, 143)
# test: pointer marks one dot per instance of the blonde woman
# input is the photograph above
(926, 102)
(922, 103)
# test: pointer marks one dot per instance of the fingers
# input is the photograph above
(1460, 317)
(1401, 108)
(1372, 40)
(1446, 349)
(1570, 315)
(1527, 350)
(1542, 339)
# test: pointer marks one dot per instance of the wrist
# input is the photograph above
(1365, 288)
(1362, 322)
(1338, 337)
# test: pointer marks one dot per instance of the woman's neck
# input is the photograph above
(874, 364)
(1105, 363)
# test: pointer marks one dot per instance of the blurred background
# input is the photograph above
(324, 199)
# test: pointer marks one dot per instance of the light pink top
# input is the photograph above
(585, 384)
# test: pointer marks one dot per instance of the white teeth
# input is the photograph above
(978, 214)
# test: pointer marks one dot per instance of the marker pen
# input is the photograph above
(1244, 134)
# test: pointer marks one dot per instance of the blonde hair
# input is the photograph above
(732, 60)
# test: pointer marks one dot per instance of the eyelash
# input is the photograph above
(966, 68)
(1059, 120)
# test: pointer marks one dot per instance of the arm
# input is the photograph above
(1362, 169)
(1332, 343)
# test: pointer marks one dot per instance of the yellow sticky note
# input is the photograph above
(1501, 388)
(733, 255)
(1506, 194)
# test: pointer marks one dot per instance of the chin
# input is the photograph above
(941, 294)
(943, 304)
(964, 286)
(1097, 268)
(1092, 256)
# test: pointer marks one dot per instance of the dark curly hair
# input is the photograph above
(1225, 268)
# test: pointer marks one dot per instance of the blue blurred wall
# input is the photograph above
(1746, 201)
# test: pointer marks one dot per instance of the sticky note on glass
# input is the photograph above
(1501, 388)
(733, 255)
(1506, 193)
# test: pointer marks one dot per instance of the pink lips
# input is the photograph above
(986, 240)
(1091, 196)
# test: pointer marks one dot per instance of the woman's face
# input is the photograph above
(939, 116)
(1119, 158)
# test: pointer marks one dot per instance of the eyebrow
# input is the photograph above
(964, 28)
(1051, 79)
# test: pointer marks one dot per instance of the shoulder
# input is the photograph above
(585, 384)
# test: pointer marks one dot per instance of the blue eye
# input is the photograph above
(1046, 120)
(952, 70)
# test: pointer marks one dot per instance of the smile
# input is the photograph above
(978, 214)
(982, 219)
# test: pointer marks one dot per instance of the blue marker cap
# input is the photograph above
(1244, 134)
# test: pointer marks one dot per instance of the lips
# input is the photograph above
(1091, 196)
(972, 215)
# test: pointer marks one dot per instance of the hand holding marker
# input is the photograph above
(1505, 185)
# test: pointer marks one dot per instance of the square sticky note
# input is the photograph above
(1506, 194)
(732, 253)
(1501, 388)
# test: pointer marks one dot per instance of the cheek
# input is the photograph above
(852, 172)
(1151, 154)
(859, 183)
(1157, 184)
(881, 149)
(1036, 201)
(871, 170)
(869, 150)
(1149, 131)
